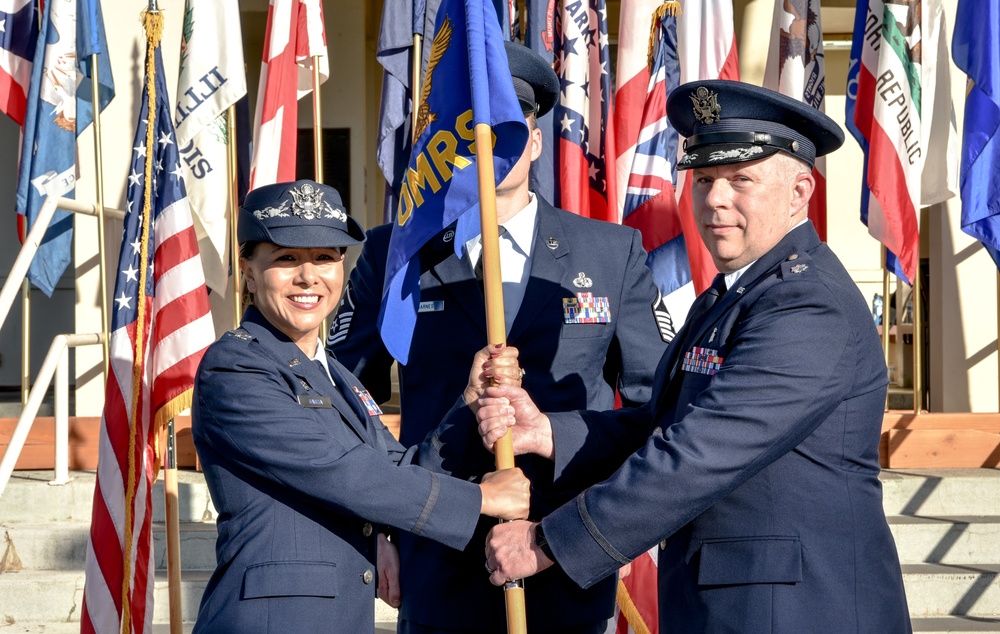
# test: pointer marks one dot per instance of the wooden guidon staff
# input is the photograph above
(496, 330)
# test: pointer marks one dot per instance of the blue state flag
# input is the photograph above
(59, 109)
(467, 83)
(976, 51)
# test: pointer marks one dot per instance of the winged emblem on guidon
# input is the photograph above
(442, 39)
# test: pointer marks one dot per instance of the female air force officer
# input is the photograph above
(303, 472)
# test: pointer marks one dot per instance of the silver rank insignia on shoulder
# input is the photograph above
(582, 281)
(798, 268)
(240, 334)
(552, 243)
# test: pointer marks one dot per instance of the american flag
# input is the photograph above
(18, 34)
(796, 67)
(295, 35)
(585, 151)
(161, 327)
(650, 202)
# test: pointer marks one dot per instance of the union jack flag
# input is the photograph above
(650, 202)
(582, 116)
(161, 327)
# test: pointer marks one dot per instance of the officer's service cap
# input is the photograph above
(303, 214)
(731, 122)
(535, 82)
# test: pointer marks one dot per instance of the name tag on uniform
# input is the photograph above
(586, 309)
(370, 405)
(702, 361)
(315, 401)
(435, 306)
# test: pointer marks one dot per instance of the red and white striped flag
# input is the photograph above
(706, 42)
(795, 67)
(584, 156)
(161, 327)
(637, 608)
(887, 41)
(295, 35)
(19, 32)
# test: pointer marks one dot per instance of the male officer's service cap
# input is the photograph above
(535, 83)
(303, 214)
(731, 122)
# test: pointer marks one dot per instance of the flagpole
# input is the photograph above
(173, 532)
(232, 163)
(496, 330)
(25, 341)
(318, 151)
(415, 83)
(918, 323)
(99, 189)
(885, 319)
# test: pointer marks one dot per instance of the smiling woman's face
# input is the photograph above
(295, 289)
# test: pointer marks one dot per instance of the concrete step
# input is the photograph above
(46, 597)
(30, 498)
(952, 590)
(941, 492)
(955, 624)
(946, 540)
(63, 545)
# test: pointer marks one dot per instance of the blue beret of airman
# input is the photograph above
(731, 122)
(303, 214)
(535, 82)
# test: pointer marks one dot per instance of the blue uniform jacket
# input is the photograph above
(569, 366)
(755, 463)
(303, 476)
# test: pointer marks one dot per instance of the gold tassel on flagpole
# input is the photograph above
(153, 25)
(671, 7)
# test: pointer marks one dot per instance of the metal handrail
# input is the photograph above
(57, 360)
(34, 238)
(56, 364)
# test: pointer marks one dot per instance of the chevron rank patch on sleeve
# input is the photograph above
(342, 322)
(664, 322)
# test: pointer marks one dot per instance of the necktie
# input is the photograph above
(478, 270)
(705, 302)
(322, 368)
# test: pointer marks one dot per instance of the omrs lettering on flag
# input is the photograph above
(467, 83)
(161, 327)
(295, 36)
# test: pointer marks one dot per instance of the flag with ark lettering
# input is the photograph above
(650, 200)
(211, 79)
(883, 114)
(706, 48)
(467, 83)
(59, 108)
(18, 36)
(976, 50)
(295, 35)
(160, 330)
(796, 67)
(584, 152)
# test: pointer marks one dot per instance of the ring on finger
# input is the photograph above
(488, 569)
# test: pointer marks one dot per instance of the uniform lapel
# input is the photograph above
(547, 268)
(456, 276)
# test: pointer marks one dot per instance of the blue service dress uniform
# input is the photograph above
(303, 475)
(760, 474)
(569, 365)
